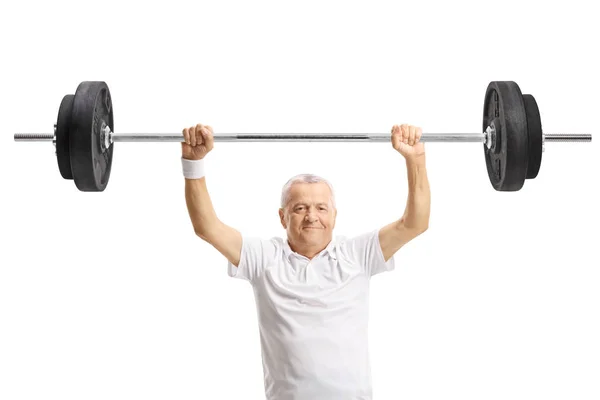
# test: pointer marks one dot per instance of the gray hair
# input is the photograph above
(304, 178)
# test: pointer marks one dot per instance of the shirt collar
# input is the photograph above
(329, 250)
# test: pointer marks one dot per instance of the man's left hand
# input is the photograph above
(406, 139)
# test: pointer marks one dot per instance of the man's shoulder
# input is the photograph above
(363, 235)
(257, 240)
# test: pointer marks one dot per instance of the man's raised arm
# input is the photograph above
(227, 240)
(415, 220)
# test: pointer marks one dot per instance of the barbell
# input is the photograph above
(512, 136)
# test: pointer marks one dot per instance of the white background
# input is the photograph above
(111, 295)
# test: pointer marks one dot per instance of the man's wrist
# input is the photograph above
(192, 169)
(418, 161)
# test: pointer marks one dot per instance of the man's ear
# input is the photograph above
(282, 218)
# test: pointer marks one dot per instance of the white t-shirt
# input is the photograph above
(313, 315)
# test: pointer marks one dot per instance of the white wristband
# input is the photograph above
(192, 169)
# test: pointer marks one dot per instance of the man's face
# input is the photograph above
(309, 216)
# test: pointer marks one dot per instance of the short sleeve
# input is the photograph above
(365, 249)
(253, 259)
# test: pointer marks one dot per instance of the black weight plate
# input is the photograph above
(63, 125)
(507, 160)
(90, 164)
(534, 129)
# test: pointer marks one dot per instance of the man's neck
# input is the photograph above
(307, 251)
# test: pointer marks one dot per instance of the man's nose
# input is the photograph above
(311, 214)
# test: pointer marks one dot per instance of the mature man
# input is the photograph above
(311, 290)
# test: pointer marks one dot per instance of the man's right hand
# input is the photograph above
(198, 142)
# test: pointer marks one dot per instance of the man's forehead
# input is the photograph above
(310, 194)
